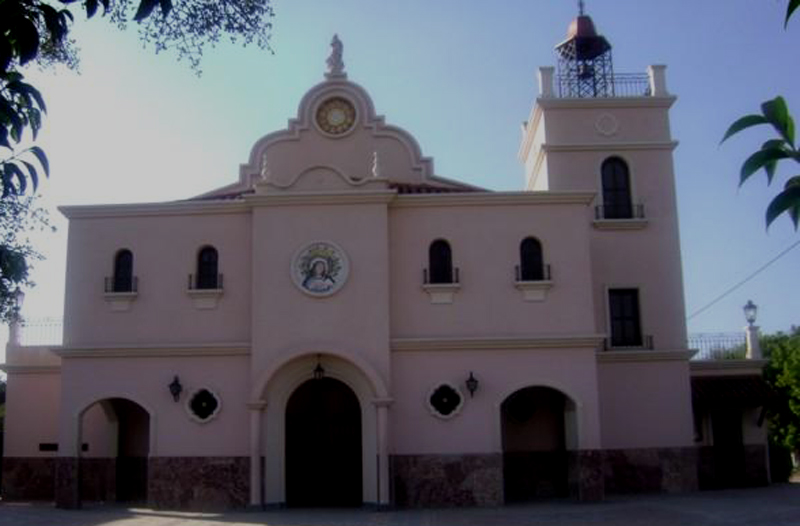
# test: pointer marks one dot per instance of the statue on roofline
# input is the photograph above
(335, 62)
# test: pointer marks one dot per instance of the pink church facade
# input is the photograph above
(341, 326)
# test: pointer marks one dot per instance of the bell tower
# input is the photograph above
(595, 130)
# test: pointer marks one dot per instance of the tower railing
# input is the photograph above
(621, 84)
(718, 346)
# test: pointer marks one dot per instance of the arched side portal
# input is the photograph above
(115, 445)
(323, 445)
(538, 426)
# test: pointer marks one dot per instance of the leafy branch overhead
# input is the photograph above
(38, 31)
(774, 113)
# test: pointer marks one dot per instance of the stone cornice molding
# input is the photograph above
(726, 367)
(383, 402)
(606, 102)
(493, 199)
(30, 369)
(321, 198)
(678, 355)
(153, 351)
(481, 344)
(174, 208)
(610, 147)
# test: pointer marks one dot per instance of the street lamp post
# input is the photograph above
(751, 331)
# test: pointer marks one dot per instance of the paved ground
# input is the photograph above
(774, 506)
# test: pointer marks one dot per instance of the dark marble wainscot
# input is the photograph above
(28, 478)
(447, 480)
(67, 483)
(642, 470)
(198, 483)
(586, 477)
(98, 479)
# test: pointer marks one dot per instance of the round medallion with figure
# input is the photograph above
(320, 268)
(336, 116)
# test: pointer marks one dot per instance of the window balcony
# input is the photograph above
(120, 292)
(533, 285)
(619, 217)
(205, 290)
(443, 287)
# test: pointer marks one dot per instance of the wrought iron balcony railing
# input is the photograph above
(624, 211)
(453, 277)
(543, 275)
(645, 342)
(206, 282)
(118, 284)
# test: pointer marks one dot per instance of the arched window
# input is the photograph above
(123, 272)
(616, 189)
(440, 262)
(207, 269)
(531, 264)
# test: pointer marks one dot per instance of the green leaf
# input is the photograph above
(166, 7)
(145, 8)
(742, 123)
(91, 8)
(6, 53)
(42, 158)
(777, 113)
(771, 166)
(793, 4)
(13, 172)
(761, 159)
(27, 40)
(786, 201)
(34, 175)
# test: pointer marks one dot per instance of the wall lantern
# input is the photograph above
(472, 384)
(319, 371)
(750, 311)
(175, 388)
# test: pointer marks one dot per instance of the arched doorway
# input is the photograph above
(537, 428)
(115, 446)
(323, 445)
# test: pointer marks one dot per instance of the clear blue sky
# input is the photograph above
(458, 75)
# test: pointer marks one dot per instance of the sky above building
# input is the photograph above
(460, 76)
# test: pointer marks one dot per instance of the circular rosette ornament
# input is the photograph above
(203, 405)
(320, 269)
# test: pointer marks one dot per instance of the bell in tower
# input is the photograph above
(584, 61)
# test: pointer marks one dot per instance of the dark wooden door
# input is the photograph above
(323, 446)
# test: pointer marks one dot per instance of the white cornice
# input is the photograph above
(610, 147)
(493, 199)
(153, 351)
(30, 369)
(322, 198)
(494, 344)
(175, 208)
(606, 102)
(726, 367)
(680, 355)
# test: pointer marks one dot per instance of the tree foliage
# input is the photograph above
(774, 113)
(38, 30)
(19, 215)
(782, 372)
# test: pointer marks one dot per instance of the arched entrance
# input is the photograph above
(537, 428)
(323, 445)
(115, 435)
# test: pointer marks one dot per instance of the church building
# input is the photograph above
(343, 327)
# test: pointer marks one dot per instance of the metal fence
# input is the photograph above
(719, 345)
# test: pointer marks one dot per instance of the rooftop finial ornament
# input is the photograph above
(335, 62)
(581, 7)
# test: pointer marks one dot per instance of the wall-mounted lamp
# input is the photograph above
(750, 311)
(472, 384)
(319, 371)
(175, 388)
